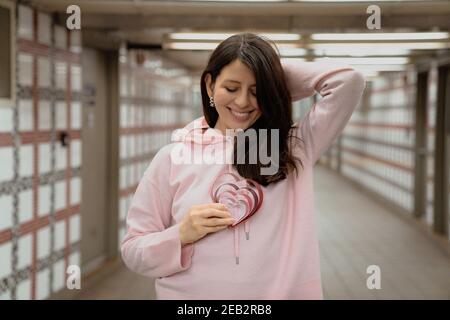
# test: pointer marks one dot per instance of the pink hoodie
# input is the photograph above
(280, 258)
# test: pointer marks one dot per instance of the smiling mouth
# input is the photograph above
(240, 116)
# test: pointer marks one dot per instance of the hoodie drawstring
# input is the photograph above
(236, 229)
(236, 238)
(247, 230)
(236, 243)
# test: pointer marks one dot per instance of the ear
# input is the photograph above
(209, 85)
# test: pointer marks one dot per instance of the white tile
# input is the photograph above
(60, 235)
(130, 176)
(61, 156)
(131, 148)
(5, 258)
(5, 296)
(26, 160)
(121, 235)
(59, 275)
(6, 119)
(44, 200)
(75, 41)
(123, 85)
(61, 74)
(43, 242)
(25, 115)
(76, 155)
(24, 290)
(137, 142)
(76, 115)
(123, 208)
(60, 195)
(25, 65)
(123, 178)
(44, 72)
(45, 120)
(131, 115)
(42, 284)
(6, 169)
(25, 251)
(44, 28)
(76, 78)
(25, 22)
(25, 206)
(61, 115)
(123, 115)
(146, 144)
(6, 211)
(75, 231)
(75, 259)
(138, 116)
(75, 191)
(132, 87)
(123, 147)
(60, 37)
(44, 158)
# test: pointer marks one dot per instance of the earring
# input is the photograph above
(211, 102)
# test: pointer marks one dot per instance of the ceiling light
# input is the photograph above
(346, 0)
(393, 45)
(223, 36)
(211, 45)
(379, 68)
(361, 51)
(293, 59)
(292, 52)
(368, 61)
(380, 36)
(191, 45)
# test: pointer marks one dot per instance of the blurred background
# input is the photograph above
(83, 111)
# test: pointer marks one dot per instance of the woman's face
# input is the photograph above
(234, 93)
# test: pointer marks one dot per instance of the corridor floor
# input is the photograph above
(355, 232)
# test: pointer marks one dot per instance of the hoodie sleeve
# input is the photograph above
(152, 246)
(340, 87)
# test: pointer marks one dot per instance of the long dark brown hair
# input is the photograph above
(273, 96)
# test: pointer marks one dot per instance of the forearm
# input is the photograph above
(157, 254)
(341, 91)
(303, 76)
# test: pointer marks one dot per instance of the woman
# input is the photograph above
(183, 230)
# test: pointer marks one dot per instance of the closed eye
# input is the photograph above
(234, 90)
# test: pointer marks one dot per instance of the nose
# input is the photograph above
(242, 100)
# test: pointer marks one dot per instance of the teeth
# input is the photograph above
(240, 114)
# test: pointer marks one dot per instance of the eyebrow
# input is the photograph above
(229, 80)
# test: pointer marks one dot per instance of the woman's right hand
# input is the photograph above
(203, 219)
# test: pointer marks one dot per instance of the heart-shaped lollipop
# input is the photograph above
(243, 197)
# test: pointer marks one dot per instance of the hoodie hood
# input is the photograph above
(199, 132)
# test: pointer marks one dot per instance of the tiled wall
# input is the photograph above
(157, 97)
(378, 143)
(39, 177)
